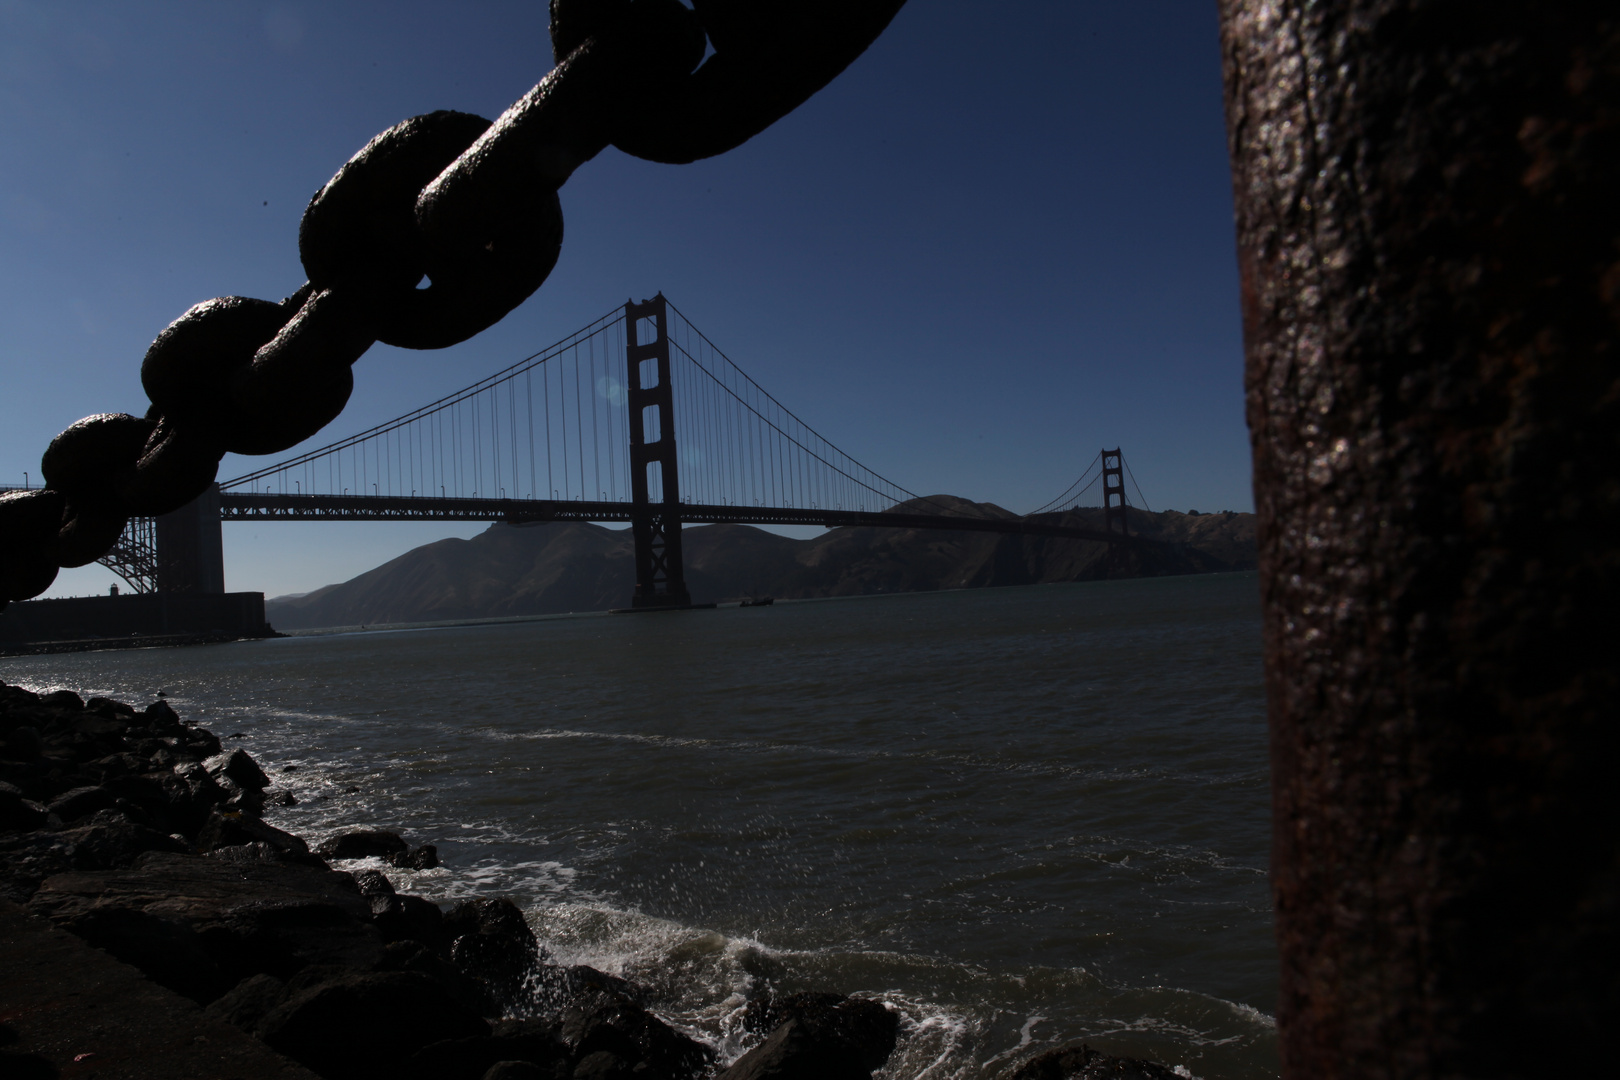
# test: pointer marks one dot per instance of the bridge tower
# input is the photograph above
(660, 576)
(1114, 502)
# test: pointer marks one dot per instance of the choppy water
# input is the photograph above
(1023, 816)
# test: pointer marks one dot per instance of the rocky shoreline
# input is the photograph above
(144, 836)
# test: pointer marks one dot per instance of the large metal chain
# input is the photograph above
(430, 234)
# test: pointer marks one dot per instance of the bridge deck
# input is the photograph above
(266, 506)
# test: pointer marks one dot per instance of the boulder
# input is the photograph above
(490, 940)
(200, 925)
(525, 1070)
(416, 920)
(81, 802)
(817, 1037)
(425, 857)
(230, 828)
(107, 841)
(17, 813)
(363, 844)
(249, 1001)
(237, 767)
(530, 1042)
(1081, 1062)
(600, 1021)
(469, 993)
(605, 1065)
(361, 1026)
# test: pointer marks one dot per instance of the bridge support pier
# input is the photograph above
(656, 525)
(190, 551)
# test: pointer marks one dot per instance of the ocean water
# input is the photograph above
(1021, 816)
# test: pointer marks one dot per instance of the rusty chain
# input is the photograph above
(448, 200)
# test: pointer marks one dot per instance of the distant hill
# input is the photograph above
(562, 567)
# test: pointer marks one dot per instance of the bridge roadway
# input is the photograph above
(267, 506)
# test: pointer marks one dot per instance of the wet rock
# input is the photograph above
(378, 890)
(469, 993)
(530, 1042)
(363, 844)
(1083, 1063)
(160, 719)
(237, 767)
(598, 1022)
(817, 1037)
(415, 920)
(425, 857)
(62, 699)
(604, 1065)
(205, 790)
(522, 1070)
(361, 1026)
(200, 925)
(81, 802)
(490, 940)
(228, 829)
(280, 797)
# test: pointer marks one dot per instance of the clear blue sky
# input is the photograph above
(983, 252)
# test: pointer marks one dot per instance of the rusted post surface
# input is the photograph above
(1428, 220)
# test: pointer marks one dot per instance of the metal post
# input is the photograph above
(1426, 224)
(656, 526)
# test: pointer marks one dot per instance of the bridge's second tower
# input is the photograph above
(1114, 504)
(660, 578)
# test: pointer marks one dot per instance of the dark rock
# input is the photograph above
(62, 699)
(363, 844)
(205, 790)
(200, 742)
(110, 708)
(490, 940)
(425, 857)
(469, 993)
(376, 888)
(17, 813)
(818, 1037)
(249, 801)
(1083, 1063)
(604, 1065)
(159, 717)
(415, 919)
(361, 1026)
(239, 768)
(261, 852)
(580, 979)
(281, 797)
(609, 1022)
(519, 1070)
(249, 1001)
(200, 925)
(81, 803)
(23, 743)
(471, 1059)
(227, 829)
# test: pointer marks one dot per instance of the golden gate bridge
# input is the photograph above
(637, 417)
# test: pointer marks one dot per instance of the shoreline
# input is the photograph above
(141, 834)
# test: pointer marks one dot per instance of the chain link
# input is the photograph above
(430, 234)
